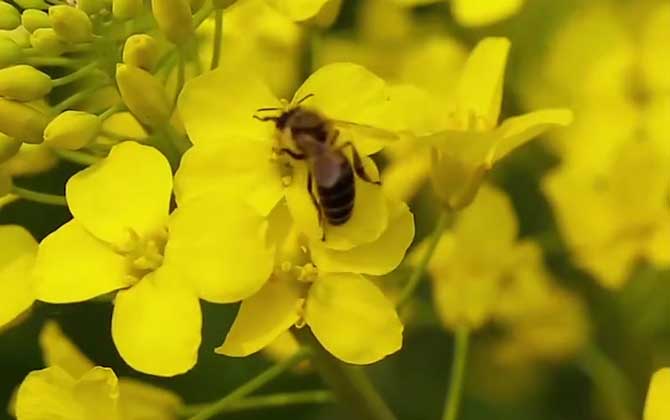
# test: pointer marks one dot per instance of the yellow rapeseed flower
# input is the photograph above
(122, 237)
(475, 12)
(16, 262)
(475, 140)
(345, 310)
(73, 388)
(234, 153)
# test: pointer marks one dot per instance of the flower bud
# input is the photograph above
(24, 83)
(8, 147)
(455, 181)
(33, 19)
(71, 24)
(10, 52)
(90, 7)
(141, 50)
(174, 19)
(19, 35)
(9, 16)
(32, 4)
(22, 121)
(222, 4)
(143, 94)
(72, 130)
(126, 9)
(45, 41)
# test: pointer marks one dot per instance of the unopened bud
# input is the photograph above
(10, 52)
(71, 24)
(24, 83)
(143, 94)
(33, 19)
(45, 41)
(174, 19)
(8, 147)
(141, 50)
(10, 18)
(90, 7)
(222, 4)
(72, 130)
(126, 9)
(32, 4)
(22, 121)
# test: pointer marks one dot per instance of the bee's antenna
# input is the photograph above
(304, 98)
(274, 108)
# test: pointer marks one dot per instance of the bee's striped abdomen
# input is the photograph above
(337, 201)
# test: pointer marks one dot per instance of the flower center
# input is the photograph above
(144, 254)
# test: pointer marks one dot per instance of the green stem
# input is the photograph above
(75, 99)
(38, 197)
(111, 111)
(218, 36)
(201, 15)
(417, 274)
(75, 75)
(609, 381)
(267, 401)
(349, 383)
(74, 156)
(8, 199)
(181, 76)
(251, 386)
(458, 365)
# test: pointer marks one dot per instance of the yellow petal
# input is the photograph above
(53, 394)
(350, 93)
(98, 394)
(375, 258)
(298, 10)
(73, 266)
(516, 131)
(480, 90)
(226, 240)
(221, 104)
(658, 403)
(156, 325)
(47, 394)
(352, 318)
(483, 12)
(238, 166)
(128, 191)
(58, 350)
(140, 401)
(263, 317)
(368, 220)
(487, 229)
(17, 256)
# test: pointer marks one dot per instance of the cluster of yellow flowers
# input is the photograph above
(186, 194)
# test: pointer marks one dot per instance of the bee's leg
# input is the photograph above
(358, 164)
(319, 211)
(333, 137)
(264, 118)
(294, 155)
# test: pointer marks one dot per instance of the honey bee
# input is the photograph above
(330, 180)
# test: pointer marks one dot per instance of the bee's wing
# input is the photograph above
(368, 139)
